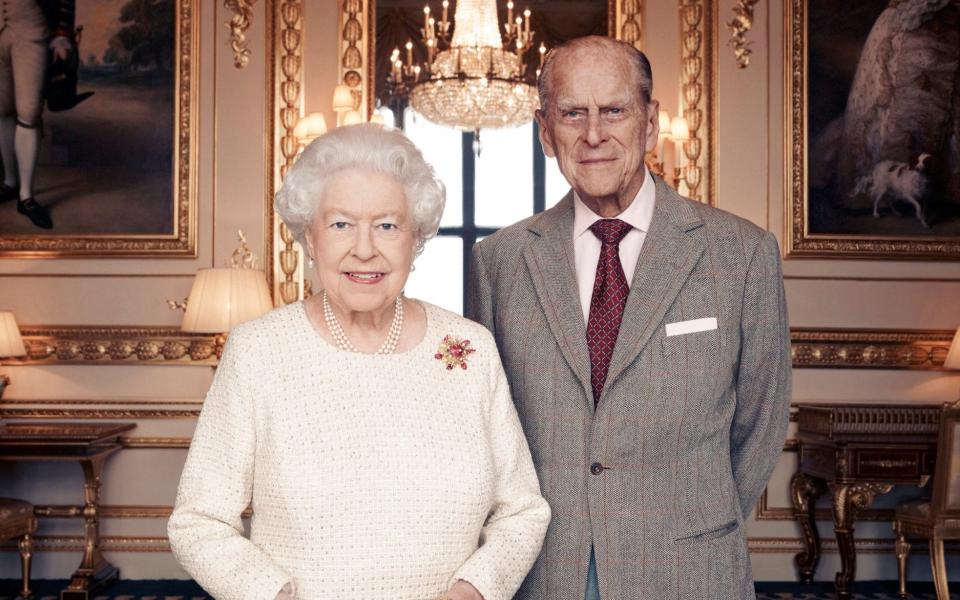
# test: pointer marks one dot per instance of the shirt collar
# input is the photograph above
(638, 215)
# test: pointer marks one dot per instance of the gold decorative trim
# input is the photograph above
(114, 511)
(355, 58)
(183, 241)
(93, 413)
(869, 348)
(741, 24)
(238, 24)
(765, 512)
(115, 345)
(109, 401)
(625, 21)
(699, 96)
(155, 443)
(756, 545)
(286, 44)
(800, 243)
(785, 545)
(810, 348)
(108, 543)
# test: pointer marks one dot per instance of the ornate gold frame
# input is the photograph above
(800, 243)
(183, 241)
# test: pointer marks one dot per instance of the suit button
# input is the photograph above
(596, 468)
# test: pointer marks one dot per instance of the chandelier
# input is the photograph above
(477, 80)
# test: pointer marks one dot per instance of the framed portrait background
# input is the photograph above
(873, 129)
(116, 171)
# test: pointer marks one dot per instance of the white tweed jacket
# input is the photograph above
(369, 476)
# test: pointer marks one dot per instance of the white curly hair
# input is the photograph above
(365, 146)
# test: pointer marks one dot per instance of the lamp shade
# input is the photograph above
(223, 298)
(352, 117)
(953, 355)
(679, 130)
(342, 98)
(663, 118)
(11, 344)
(310, 127)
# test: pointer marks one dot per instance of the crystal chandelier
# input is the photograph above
(477, 80)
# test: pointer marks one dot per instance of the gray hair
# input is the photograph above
(639, 61)
(367, 146)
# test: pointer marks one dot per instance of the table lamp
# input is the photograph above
(11, 344)
(222, 298)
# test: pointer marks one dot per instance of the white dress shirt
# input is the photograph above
(586, 245)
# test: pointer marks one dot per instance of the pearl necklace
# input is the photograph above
(340, 337)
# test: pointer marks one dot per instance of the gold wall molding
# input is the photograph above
(741, 24)
(832, 348)
(115, 345)
(238, 25)
(625, 21)
(788, 545)
(698, 89)
(182, 242)
(285, 72)
(94, 413)
(108, 543)
(355, 68)
(155, 443)
(869, 348)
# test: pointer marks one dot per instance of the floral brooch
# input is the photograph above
(454, 352)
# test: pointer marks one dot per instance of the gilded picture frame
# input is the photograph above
(831, 213)
(173, 233)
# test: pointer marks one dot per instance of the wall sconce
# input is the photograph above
(309, 128)
(342, 102)
(680, 134)
(11, 343)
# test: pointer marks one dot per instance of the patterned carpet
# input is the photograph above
(48, 589)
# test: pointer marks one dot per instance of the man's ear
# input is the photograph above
(653, 125)
(546, 137)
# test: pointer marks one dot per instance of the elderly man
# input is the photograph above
(645, 339)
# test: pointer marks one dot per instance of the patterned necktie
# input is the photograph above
(609, 298)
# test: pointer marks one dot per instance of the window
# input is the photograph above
(509, 180)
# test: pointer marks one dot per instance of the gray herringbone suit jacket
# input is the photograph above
(688, 427)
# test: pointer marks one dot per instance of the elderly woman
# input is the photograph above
(372, 434)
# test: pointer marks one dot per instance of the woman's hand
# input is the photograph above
(462, 590)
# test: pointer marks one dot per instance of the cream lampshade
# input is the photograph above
(11, 344)
(352, 117)
(223, 298)
(310, 127)
(679, 130)
(663, 118)
(342, 101)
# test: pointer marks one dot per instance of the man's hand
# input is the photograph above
(462, 590)
(62, 47)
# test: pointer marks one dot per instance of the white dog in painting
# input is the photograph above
(897, 181)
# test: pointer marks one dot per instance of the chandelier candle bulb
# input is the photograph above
(446, 5)
(543, 53)
(427, 30)
(526, 23)
(409, 47)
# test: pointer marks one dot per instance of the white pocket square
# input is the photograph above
(685, 327)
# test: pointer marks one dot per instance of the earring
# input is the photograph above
(310, 263)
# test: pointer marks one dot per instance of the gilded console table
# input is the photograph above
(856, 452)
(89, 444)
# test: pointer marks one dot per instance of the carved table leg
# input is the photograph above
(804, 491)
(94, 571)
(902, 549)
(26, 556)
(848, 499)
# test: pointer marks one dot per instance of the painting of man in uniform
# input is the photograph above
(105, 159)
(883, 112)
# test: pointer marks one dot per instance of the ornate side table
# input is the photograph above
(89, 444)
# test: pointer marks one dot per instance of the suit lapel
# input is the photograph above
(550, 261)
(670, 251)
